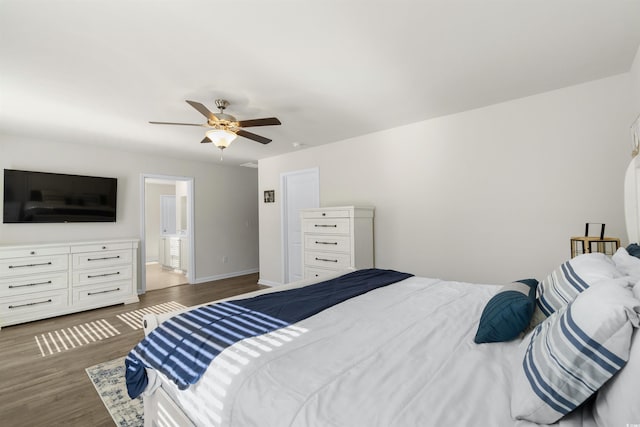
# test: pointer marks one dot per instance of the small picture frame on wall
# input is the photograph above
(269, 196)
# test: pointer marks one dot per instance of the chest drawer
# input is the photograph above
(37, 283)
(26, 251)
(326, 214)
(98, 247)
(101, 259)
(310, 272)
(102, 292)
(327, 260)
(327, 243)
(32, 265)
(101, 275)
(32, 306)
(326, 226)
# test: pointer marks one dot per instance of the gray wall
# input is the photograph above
(226, 197)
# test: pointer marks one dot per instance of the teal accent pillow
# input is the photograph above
(508, 313)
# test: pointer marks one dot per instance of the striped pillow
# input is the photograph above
(571, 355)
(574, 276)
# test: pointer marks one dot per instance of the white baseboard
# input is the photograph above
(268, 283)
(224, 276)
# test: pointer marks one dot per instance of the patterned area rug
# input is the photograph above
(108, 379)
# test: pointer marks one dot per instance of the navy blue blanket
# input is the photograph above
(183, 347)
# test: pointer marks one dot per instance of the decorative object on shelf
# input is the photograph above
(590, 243)
(224, 128)
(270, 196)
(635, 137)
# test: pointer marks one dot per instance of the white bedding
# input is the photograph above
(402, 355)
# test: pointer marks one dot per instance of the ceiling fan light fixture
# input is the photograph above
(220, 137)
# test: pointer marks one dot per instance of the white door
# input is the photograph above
(167, 215)
(300, 190)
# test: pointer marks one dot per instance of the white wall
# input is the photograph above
(635, 85)
(226, 220)
(489, 195)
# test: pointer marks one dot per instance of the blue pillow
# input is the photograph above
(508, 313)
(634, 250)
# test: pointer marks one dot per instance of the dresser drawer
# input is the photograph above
(327, 243)
(326, 214)
(98, 247)
(27, 251)
(21, 285)
(326, 226)
(101, 275)
(327, 260)
(101, 259)
(310, 272)
(31, 265)
(23, 308)
(104, 292)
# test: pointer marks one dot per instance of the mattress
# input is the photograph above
(402, 355)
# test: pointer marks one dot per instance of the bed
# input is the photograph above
(407, 354)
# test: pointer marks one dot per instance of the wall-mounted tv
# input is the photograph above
(52, 197)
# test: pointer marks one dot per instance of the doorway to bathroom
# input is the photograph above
(167, 231)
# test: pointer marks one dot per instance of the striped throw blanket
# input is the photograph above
(183, 347)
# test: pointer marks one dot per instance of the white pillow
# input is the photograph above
(618, 401)
(627, 264)
(573, 353)
(574, 276)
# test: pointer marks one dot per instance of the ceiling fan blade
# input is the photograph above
(171, 123)
(253, 136)
(202, 109)
(269, 121)
(205, 140)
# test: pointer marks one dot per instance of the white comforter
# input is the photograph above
(402, 355)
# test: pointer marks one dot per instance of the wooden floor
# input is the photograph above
(158, 277)
(54, 390)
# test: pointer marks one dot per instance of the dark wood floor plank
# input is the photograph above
(55, 390)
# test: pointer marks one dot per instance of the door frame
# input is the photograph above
(284, 220)
(191, 269)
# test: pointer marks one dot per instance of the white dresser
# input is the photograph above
(336, 238)
(40, 281)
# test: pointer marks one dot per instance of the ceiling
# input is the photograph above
(96, 71)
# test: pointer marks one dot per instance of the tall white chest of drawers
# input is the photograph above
(336, 238)
(40, 281)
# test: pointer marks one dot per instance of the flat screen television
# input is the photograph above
(53, 197)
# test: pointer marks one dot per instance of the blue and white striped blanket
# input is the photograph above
(183, 347)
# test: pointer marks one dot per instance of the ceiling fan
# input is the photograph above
(224, 128)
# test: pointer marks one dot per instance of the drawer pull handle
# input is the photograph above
(326, 225)
(103, 258)
(103, 275)
(326, 260)
(31, 303)
(31, 265)
(103, 292)
(48, 282)
(326, 243)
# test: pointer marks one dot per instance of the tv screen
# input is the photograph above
(52, 197)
